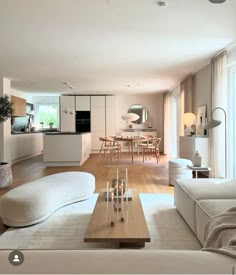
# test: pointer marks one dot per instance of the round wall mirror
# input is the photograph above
(139, 110)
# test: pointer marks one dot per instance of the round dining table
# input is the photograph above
(131, 140)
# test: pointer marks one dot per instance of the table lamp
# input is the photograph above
(189, 120)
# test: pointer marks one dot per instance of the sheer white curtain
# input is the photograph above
(171, 123)
(167, 121)
(219, 99)
(231, 58)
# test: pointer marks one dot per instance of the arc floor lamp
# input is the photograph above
(214, 123)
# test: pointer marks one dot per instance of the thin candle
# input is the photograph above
(126, 192)
(112, 207)
(126, 179)
(122, 204)
(117, 189)
(108, 212)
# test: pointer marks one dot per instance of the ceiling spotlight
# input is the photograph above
(161, 3)
(217, 1)
(68, 85)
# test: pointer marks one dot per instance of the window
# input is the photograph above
(47, 114)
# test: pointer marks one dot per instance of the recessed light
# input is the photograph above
(161, 3)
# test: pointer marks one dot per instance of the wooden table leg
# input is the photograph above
(132, 151)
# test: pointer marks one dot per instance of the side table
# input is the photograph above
(199, 169)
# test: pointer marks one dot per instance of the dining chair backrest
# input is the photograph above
(149, 140)
(156, 142)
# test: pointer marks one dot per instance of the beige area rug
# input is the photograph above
(65, 229)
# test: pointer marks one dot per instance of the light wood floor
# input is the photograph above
(148, 178)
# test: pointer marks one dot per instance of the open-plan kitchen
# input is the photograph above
(66, 129)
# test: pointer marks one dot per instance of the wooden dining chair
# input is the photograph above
(110, 147)
(144, 143)
(152, 148)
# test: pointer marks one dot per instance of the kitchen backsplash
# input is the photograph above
(20, 123)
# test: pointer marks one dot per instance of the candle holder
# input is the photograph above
(117, 199)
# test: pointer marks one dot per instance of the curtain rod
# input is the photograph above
(227, 48)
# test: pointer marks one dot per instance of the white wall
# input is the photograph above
(45, 99)
(202, 89)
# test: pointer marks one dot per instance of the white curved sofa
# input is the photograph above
(35, 201)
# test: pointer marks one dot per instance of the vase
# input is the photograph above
(6, 178)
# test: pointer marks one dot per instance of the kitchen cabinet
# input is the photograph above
(19, 106)
(189, 145)
(24, 146)
(67, 113)
(82, 103)
(110, 115)
(98, 116)
(67, 101)
(102, 113)
(66, 149)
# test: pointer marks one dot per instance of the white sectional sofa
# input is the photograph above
(197, 200)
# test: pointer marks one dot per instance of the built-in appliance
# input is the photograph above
(82, 121)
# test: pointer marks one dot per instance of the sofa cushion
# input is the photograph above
(34, 202)
(188, 191)
(179, 163)
(206, 209)
(210, 188)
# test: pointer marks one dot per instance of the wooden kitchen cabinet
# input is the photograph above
(19, 106)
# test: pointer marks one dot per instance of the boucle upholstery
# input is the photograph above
(180, 163)
(35, 201)
(178, 169)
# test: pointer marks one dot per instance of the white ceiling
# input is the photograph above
(109, 46)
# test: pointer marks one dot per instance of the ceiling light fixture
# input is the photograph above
(68, 85)
(161, 3)
(132, 85)
(216, 1)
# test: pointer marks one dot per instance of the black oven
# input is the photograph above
(82, 123)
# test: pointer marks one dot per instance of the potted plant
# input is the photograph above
(6, 111)
(51, 125)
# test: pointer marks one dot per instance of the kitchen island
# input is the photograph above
(66, 148)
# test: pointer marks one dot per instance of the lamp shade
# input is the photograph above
(189, 119)
(212, 124)
(130, 117)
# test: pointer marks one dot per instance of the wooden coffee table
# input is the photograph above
(131, 233)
